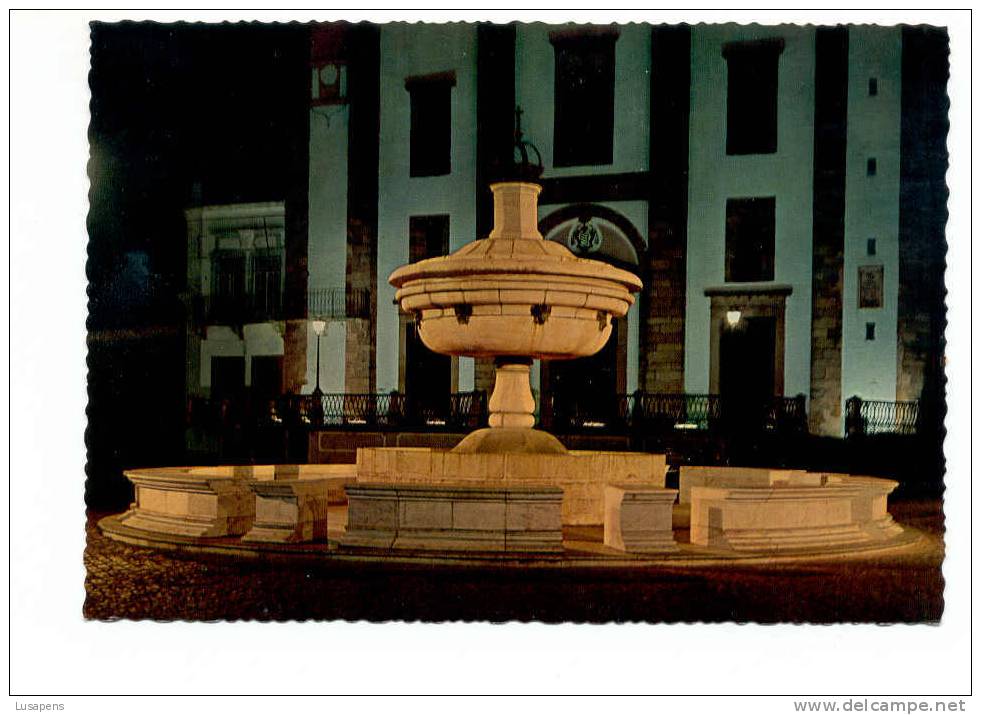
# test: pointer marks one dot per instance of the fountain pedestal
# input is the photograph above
(512, 417)
(511, 404)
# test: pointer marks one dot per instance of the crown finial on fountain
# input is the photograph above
(524, 169)
(516, 192)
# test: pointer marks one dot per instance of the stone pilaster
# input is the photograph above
(362, 209)
(922, 219)
(296, 245)
(830, 138)
(662, 303)
(295, 355)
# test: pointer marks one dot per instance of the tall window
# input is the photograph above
(227, 285)
(266, 278)
(751, 97)
(429, 130)
(429, 236)
(750, 239)
(584, 82)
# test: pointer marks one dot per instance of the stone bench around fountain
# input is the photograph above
(220, 501)
(472, 518)
(191, 501)
(289, 510)
(794, 511)
(582, 475)
(637, 518)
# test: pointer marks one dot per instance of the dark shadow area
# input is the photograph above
(181, 115)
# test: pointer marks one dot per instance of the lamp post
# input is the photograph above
(318, 328)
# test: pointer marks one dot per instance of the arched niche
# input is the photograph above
(582, 393)
(597, 232)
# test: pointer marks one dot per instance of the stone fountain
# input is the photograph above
(515, 297)
(509, 487)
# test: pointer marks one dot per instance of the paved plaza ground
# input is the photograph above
(137, 583)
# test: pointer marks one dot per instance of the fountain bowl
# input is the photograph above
(514, 294)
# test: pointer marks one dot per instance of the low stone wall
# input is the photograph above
(689, 477)
(190, 501)
(582, 475)
(811, 511)
(222, 500)
(341, 446)
(454, 518)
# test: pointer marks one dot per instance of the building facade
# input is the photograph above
(779, 190)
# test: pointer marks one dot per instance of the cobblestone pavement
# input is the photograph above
(136, 583)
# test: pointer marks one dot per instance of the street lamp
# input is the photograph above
(318, 327)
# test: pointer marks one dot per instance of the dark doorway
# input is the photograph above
(428, 375)
(427, 379)
(227, 377)
(746, 369)
(583, 392)
(228, 288)
(267, 377)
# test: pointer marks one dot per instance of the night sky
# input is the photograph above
(181, 115)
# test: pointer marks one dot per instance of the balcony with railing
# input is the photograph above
(339, 303)
(245, 308)
(241, 309)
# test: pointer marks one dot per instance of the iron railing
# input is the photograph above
(328, 304)
(394, 410)
(339, 303)
(786, 415)
(867, 417)
(639, 413)
(667, 412)
(671, 410)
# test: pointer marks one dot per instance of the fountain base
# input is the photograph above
(582, 475)
(512, 440)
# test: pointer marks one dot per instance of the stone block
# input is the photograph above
(372, 516)
(581, 474)
(454, 518)
(422, 512)
(523, 514)
(483, 515)
(190, 502)
(637, 518)
(289, 510)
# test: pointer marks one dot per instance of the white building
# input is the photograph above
(756, 178)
